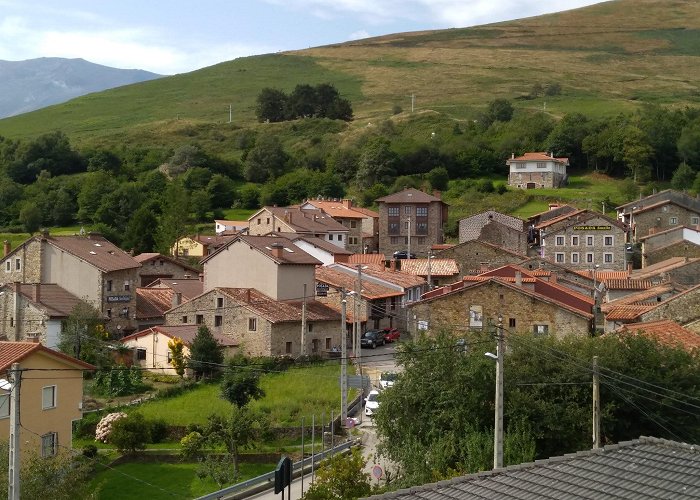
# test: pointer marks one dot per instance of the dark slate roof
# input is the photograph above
(94, 249)
(409, 195)
(57, 302)
(644, 468)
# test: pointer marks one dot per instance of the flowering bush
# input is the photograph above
(104, 427)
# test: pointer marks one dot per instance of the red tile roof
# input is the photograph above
(153, 302)
(280, 311)
(57, 302)
(376, 259)
(438, 267)
(666, 332)
(639, 297)
(186, 333)
(539, 156)
(339, 279)
(603, 276)
(15, 352)
(628, 284)
(626, 312)
(305, 221)
(342, 209)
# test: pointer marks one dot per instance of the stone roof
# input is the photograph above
(409, 195)
(56, 301)
(340, 279)
(662, 267)
(438, 267)
(666, 332)
(94, 249)
(644, 468)
(186, 333)
(276, 311)
(475, 222)
(187, 287)
(15, 352)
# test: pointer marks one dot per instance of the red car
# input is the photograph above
(391, 334)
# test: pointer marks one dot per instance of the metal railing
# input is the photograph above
(269, 478)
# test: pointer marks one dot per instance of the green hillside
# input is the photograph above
(606, 58)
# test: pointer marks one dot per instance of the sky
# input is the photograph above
(178, 36)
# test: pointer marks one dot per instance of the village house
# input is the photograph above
(34, 312)
(155, 266)
(323, 250)
(411, 221)
(496, 228)
(151, 351)
(476, 256)
(679, 241)
(261, 325)
(362, 223)
(309, 222)
(537, 170)
(658, 212)
(199, 246)
(229, 226)
(681, 270)
(49, 402)
(161, 295)
(664, 331)
(435, 271)
(87, 266)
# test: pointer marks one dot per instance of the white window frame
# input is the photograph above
(49, 444)
(18, 264)
(560, 258)
(141, 354)
(695, 220)
(52, 393)
(127, 285)
(4, 406)
(421, 211)
(612, 241)
(559, 241)
(590, 240)
(608, 258)
(673, 221)
(575, 258)
(407, 209)
(540, 329)
(574, 240)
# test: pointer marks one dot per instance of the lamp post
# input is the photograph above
(595, 297)
(343, 359)
(430, 277)
(498, 417)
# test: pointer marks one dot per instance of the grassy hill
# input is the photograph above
(607, 58)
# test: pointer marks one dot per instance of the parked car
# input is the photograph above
(391, 334)
(371, 403)
(386, 379)
(403, 254)
(372, 338)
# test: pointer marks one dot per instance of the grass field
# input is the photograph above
(156, 481)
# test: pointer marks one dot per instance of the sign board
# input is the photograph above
(422, 324)
(592, 228)
(321, 290)
(377, 471)
(476, 316)
(283, 474)
(119, 298)
(357, 381)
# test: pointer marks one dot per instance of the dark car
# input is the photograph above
(372, 338)
(403, 254)
(391, 334)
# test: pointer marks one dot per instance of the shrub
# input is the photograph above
(90, 451)
(86, 426)
(158, 430)
(130, 434)
(105, 426)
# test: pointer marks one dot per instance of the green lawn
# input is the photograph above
(156, 481)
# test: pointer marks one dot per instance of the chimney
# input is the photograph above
(6, 248)
(518, 278)
(629, 267)
(437, 194)
(483, 267)
(36, 292)
(347, 203)
(247, 295)
(392, 264)
(177, 299)
(36, 339)
(512, 156)
(277, 250)
(552, 277)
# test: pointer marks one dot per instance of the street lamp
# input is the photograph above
(595, 296)
(498, 416)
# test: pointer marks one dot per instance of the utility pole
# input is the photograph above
(498, 418)
(409, 239)
(430, 280)
(303, 324)
(596, 404)
(13, 469)
(358, 320)
(343, 359)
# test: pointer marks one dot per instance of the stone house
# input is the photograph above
(309, 222)
(155, 266)
(658, 212)
(496, 228)
(537, 170)
(87, 266)
(362, 223)
(260, 325)
(411, 220)
(163, 294)
(679, 241)
(475, 256)
(323, 250)
(582, 240)
(36, 311)
(526, 304)
(151, 351)
(681, 270)
(49, 403)
(270, 264)
(435, 271)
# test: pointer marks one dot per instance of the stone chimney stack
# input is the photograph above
(177, 299)
(552, 277)
(277, 250)
(347, 203)
(36, 292)
(6, 248)
(518, 278)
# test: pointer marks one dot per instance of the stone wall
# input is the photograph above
(156, 268)
(680, 249)
(21, 321)
(420, 243)
(566, 250)
(29, 268)
(472, 255)
(682, 309)
(659, 219)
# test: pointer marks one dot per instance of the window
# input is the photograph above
(421, 240)
(109, 285)
(574, 258)
(393, 211)
(559, 241)
(8, 266)
(394, 240)
(421, 211)
(695, 221)
(540, 329)
(18, 264)
(511, 322)
(607, 258)
(330, 237)
(407, 209)
(393, 228)
(184, 319)
(49, 443)
(127, 285)
(340, 237)
(328, 344)
(608, 241)
(268, 221)
(252, 324)
(673, 220)
(520, 165)
(541, 164)
(353, 224)
(352, 240)
(109, 313)
(4, 405)
(311, 326)
(170, 357)
(219, 302)
(199, 319)
(218, 320)
(407, 225)
(141, 354)
(589, 258)
(288, 348)
(422, 228)
(559, 258)
(48, 397)
(574, 241)
(589, 241)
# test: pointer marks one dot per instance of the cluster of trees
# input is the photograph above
(646, 389)
(305, 101)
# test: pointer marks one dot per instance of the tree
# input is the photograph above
(174, 217)
(240, 383)
(206, 354)
(271, 105)
(340, 477)
(177, 356)
(377, 163)
(186, 157)
(683, 177)
(83, 336)
(499, 110)
(130, 434)
(140, 233)
(266, 160)
(30, 217)
(438, 178)
(689, 143)
(636, 153)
